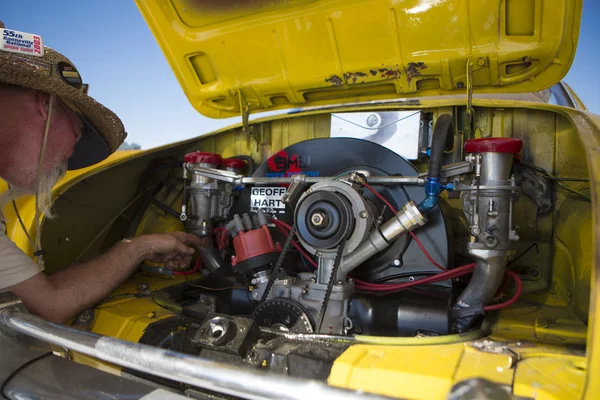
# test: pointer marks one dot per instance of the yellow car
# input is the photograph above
(413, 216)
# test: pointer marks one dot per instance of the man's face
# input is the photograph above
(66, 129)
(29, 116)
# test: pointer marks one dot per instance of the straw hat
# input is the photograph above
(53, 73)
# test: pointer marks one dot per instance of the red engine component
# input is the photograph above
(254, 249)
(199, 157)
(234, 164)
(494, 145)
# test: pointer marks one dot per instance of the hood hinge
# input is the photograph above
(472, 65)
(244, 111)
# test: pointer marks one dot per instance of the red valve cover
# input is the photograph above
(494, 145)
(199, 157)
(234, 163)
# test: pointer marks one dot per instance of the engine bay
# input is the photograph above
(329, 244)
(336, 238)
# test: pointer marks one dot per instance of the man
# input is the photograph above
(48, 124)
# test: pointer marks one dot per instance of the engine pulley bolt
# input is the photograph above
(363, 214)
(317, 219)
(396, 262)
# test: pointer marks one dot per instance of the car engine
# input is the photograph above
(338, 237)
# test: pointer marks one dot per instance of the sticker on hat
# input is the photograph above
(22, 43)
(69, 74)
(32, 64)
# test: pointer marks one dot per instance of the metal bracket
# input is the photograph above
(295, 189)
(244, 111)
(472, 66)
(470, 90)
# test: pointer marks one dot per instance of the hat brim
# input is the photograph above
(90, 149)
(104, 131)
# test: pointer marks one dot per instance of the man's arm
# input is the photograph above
(78, 287)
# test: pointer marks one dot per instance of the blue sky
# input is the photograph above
(115, 52)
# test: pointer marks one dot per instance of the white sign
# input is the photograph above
(267, 199)
(22, 43)
(399, 131)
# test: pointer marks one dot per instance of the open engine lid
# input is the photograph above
(263, 55)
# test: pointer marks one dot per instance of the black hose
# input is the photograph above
(250, 161)
(211, 258)
(444, 127)
(486, 279)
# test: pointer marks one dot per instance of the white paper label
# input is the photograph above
(267, 199)
(22, 43)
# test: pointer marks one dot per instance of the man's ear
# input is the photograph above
(41, 103)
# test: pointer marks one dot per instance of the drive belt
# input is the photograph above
(279, 264)
(330, 283)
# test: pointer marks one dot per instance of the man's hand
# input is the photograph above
(170, 248)
(80, 286)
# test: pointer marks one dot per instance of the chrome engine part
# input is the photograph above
(488, 203)
(210, 200)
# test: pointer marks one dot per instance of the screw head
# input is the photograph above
(363, 214)
(411, 278)
(255, 295)
(396, 262)
(372, 120)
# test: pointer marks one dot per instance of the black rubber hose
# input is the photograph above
(444, 127)
(211, 258)
(486, 279)
(250, 161)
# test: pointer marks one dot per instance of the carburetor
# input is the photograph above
(210, 200)
(488, 206)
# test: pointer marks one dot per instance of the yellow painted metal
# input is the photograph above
(26, 204)
(429, 372)
(549, 378)
(126, 316)
(315, 52)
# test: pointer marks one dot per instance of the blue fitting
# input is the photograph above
(433, 188)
